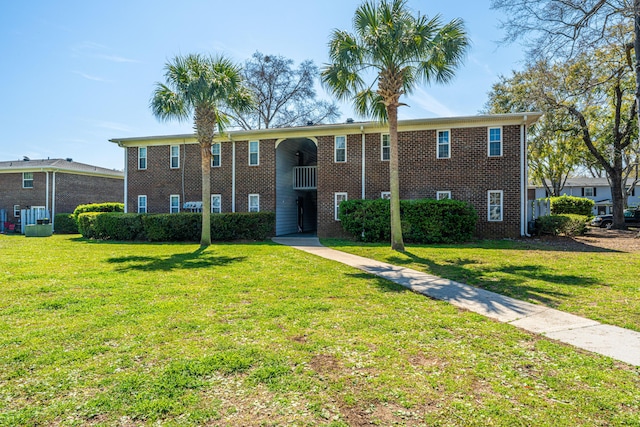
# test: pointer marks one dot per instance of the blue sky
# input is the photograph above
(78, 73)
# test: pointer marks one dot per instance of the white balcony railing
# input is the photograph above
(305, 178)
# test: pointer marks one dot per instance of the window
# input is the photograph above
(589, 192)
(215, 155)
(142, 157)
(175, 156)
(174, 203)
(495, 142)
(340, 149)
(444, 145)
(254, 153)
(495, 205)
(216, 203)
(385, 153)
(27, 180)
(338, 198)
(142, 204)
(16, 211)
(385, 195)
(254, 203)
(441, 195)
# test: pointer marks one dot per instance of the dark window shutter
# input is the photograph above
(582, 192)
(594, 191)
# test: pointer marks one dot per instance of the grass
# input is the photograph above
(603, 286)
(97, 333)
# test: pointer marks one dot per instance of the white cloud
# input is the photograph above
(90, 77)
(423, 100)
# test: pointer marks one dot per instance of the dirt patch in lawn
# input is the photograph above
(597, 240)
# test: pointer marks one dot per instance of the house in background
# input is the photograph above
(55, 186)
(303, 173)
(596, 189)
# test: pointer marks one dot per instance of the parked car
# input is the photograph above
(631, 216)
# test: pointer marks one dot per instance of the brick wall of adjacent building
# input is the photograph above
(71, 190)
(468, 174)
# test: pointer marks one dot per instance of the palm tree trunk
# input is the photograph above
(397, 244)
(205, 155)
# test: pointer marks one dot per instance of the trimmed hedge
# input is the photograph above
(565, 224)
(571, 205)
(98, 207)
(180, 227)
(423, 220)
(65, 223)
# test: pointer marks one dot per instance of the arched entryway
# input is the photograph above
(296, 186)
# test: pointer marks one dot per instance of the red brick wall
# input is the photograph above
(158, 181)
(71, 190)
(469, 174)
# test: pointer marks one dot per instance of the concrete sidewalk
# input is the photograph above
(617, 343)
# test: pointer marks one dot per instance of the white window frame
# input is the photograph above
(219, 208)
(383, 137)
(442, 195)
(256, 153)
(592, 192)
(256, 206)
(337, 199)
(16, 211)
(385, 195)
(218, 147)
(173, 156)
(142, 207)
(490, 205)
(447, 143)
(489, 141)
(174, 207)
(337, 149)
(26, 180)
(142, 166)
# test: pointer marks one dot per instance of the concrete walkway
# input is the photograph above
(617, 343)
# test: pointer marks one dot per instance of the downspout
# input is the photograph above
(524, 179)
(46, 191)
(126, 178)
(233, 173)
(53, 201)
(363, 163)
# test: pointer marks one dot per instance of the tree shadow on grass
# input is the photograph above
(188, 260)
(517, 281)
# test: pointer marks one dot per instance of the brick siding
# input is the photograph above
(71, 190)
(468, 174)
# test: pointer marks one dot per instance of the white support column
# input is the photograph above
(233, 176)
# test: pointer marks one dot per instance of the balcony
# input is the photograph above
(305, 178)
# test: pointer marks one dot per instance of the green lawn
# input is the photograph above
(97, 333)
(603, 286)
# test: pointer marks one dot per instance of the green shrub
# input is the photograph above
(566, 224)
(571, 205)
(179, 227)
(111, 226)
(423, 221)
(98, 207)
(65, 223)
(173, 227)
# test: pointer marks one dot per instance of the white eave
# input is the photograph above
(340, 128)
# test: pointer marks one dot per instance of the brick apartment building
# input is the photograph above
(55, 185)
(303, 173)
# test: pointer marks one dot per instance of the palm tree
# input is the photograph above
(398, 50)
(200, 86)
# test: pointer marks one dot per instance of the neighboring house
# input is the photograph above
(596, 189)
(302, 174)
(55, 185)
